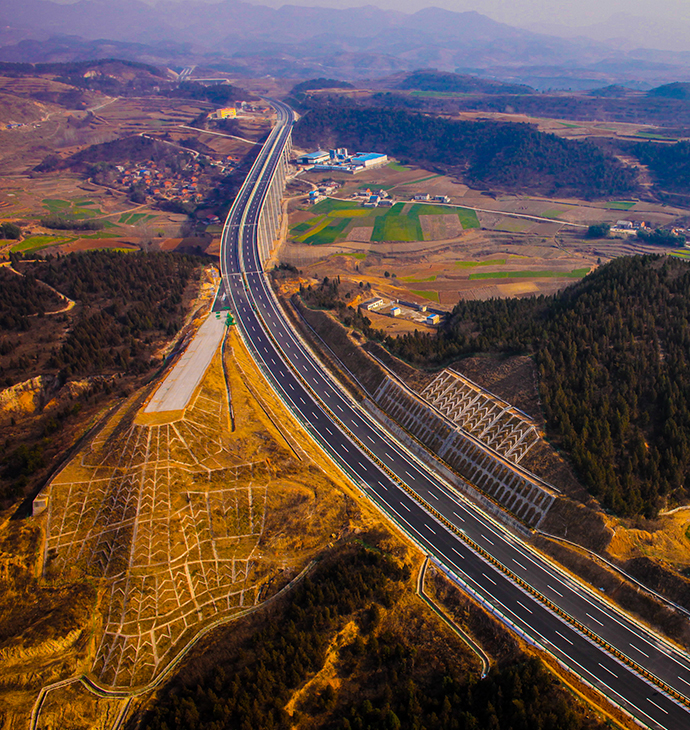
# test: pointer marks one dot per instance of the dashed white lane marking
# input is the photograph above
(609, 671)
(565, 638)
(594, 619)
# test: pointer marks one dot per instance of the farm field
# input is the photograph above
(512, 246)
(334, 220)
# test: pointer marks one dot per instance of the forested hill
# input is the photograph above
(613, 356)
(512, 157)
(427, 80)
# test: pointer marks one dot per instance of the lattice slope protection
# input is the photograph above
(493, 421)
(169, 516)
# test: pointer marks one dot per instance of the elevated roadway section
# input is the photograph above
(635, 668)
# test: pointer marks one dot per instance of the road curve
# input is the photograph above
(635, 668)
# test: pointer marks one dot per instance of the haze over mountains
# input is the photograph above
(300, 41)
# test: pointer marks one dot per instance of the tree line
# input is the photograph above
(510, 156)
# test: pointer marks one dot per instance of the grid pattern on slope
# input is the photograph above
(493, 421)
(513, 488)
(171, 522)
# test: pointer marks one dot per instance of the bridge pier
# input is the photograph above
(269, 219)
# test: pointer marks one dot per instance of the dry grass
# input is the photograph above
(185, 519)
(665, 539)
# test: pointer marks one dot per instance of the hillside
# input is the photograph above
(351, 649)
(128, 306)
(424, 80)
(507, 156)
(613, 356)
(677, 90)
(19, 111)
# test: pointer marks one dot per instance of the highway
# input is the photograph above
(576, 624)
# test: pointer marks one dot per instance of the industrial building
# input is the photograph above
(226, 113)
(340, 160)
(314, 158)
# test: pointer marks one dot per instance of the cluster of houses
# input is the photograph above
(161, 183)
(628, 227)
(326, 188)
(375, 200)
(435, 198)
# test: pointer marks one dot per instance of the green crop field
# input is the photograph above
(553, 213)
(34, 243)
(329, 204)
(395, 227)
(359, 255)
(620, 204)
(329, 233)
(418, 280)
(398, 167)
(397, 223)
(468, 218)
(130, 219)
(651, 135)
(355, 213)
(430, 295)
(574, 274)
(56, 205)
(371, 186)
(472, 264)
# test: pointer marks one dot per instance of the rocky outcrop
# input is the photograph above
(26, 398)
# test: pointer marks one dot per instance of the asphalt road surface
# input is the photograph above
(576, 624)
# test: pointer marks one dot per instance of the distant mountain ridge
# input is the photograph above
(292, 41)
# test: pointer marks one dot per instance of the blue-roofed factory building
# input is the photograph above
(314, 158)
(339, 160)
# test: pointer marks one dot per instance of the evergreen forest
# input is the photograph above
(126, 302)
